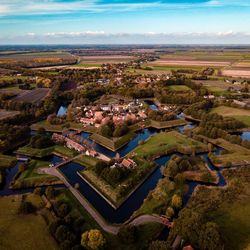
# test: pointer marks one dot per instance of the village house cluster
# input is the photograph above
(118, 113)
(74, 143)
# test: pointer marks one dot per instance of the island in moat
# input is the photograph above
(131, 154)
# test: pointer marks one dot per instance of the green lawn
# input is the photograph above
(64, 151)
(40, 153)
(86, 161)
(112, 143)
(7, 161)
(180, 88)
(168, 124)
(234, 223)
(36, 152)
(162, 143)
(216, 90)
(56, 128)
(27, 232)
(237, 113)
(31, 178)
(236, 154)
(88, 65)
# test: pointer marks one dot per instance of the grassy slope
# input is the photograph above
(6, 161)
(239, 114)
(30, 177)
(162, 142)
(86, 161)
(234, 222)
(40, 153)
(179, 88)
(235, 153)
(22, 231)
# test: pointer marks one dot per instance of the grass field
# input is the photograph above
(7, 114)
(181, 88)
(31, 178)
(27, 232)
(40, 153)
(239, 114)
(234, 223)
(167, 124)
(112, 143)
(236, 154)
(86, 161)
(56, 128)
(162, 143)
(33, 96)
(6, 161)
(87, 65)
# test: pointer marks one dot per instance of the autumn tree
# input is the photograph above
(176, 201)
(93, 239)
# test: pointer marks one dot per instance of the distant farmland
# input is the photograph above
(7, 114)
(32, 95)
(41, 59)
(162, 62)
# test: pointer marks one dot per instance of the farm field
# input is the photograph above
(29, 231)
(239, 114)
(6, 114)
(32, 95)
(95, 61)
(218, 84)
(38, 59)
(236, 72)
(161, 62)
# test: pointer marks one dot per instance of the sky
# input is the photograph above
(124, 22)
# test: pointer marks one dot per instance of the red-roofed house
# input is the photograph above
(128, 163)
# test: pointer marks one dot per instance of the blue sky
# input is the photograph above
(116, 21)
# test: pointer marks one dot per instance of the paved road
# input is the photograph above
(96, 216)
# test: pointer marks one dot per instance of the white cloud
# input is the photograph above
(39, 7)
(101, 37)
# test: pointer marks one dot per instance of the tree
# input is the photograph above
(210, 238)
(22, 167)
(176, 201)
(65, 245)
(50, 192)
(54, 225)
(93, 239)
(158, 245)
(78, 223)
(127, 234)
(169, 212)
(63, 210)
(210, 147)
(37, 191)
(26, 207)
(61, 233)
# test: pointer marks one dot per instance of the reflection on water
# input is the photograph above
(62, 110)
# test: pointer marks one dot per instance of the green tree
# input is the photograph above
(50, 192)
(127, 234)
(158, 245)
(209, 238)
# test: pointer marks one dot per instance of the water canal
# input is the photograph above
(133, 203)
